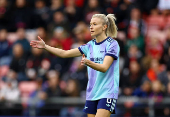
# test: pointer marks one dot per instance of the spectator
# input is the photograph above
(168, 89)
(73, 13)
(53, 89)
(166, 53)
(157, 90)
(80, 74)
(62, 40)
(130, 78)
(152, 72)
(10, 75)
(133, 55)
(72, 90)
(81, 26)
(20, 20)
(56, 5)
(5, 48)
(154, 47)
(37, 98)
(9, 94)
(5, 11)
(34, 61)
(22, 40)
(136, 21)
(144, 90)
(10, 91)
(41, 31)
(38, 64)
(92, 8)
(112, 6)
(79, 40)
(155, 21)
(59, 20)
(42, 12)
(157, 94)
(18, 63)
(135, 39)
(164, 76)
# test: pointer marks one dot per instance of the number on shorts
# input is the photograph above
(109, 100)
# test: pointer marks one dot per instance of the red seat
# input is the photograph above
(3, 70)
(155, 22)
(161, 35)
(27, 87)
(2, 84)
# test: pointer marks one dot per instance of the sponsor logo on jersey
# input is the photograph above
(102, 51)
(96, 59)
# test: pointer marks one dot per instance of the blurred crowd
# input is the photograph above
(35, 75)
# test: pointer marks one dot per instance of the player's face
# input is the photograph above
(96, 26)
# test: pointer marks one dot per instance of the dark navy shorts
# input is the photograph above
(104, 103)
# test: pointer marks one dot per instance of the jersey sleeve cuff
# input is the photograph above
(80, 50)
(115, 57)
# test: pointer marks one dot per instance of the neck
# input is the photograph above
(101, 37)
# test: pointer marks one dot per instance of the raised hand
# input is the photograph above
(83, 60)
(38, 44)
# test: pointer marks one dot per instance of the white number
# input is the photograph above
(109, 100)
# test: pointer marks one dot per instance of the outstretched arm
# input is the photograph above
(56, 51)
(108, 60)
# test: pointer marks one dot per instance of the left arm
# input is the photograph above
(108, 60)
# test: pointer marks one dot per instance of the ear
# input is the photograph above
(104, 27)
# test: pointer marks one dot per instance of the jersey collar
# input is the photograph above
(101, 41)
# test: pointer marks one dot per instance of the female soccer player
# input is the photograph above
(101, 56)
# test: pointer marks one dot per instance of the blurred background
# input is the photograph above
(34, 82)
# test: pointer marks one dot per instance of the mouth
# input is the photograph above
(92, 31)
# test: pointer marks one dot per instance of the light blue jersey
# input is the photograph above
(102, 85)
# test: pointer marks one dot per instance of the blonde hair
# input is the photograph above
(108, 20)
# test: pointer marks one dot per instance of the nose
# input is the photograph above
(91, 26)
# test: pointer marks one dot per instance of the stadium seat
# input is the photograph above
(155, 22)
(3, 70)
(27, 87)
(1, 84)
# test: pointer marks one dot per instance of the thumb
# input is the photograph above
(83, 56)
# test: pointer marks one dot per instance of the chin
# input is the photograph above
(92, 35)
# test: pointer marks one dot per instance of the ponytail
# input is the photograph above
(111, 26)
(108, 20)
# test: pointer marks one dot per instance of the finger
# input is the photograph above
(33, 42)
(82, 63)
(83, 56)
(39, 38)
(34, 46)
